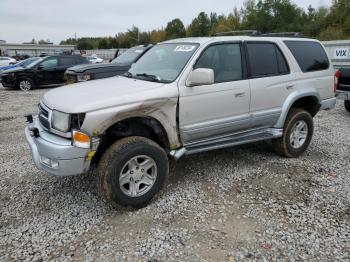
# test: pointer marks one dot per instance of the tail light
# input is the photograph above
(336, 80)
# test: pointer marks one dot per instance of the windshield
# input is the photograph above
(129, 56)
(164, 62)
(34, 63)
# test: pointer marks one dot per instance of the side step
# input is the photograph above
(227, 141)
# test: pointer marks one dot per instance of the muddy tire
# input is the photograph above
(347, 105)
(132, 171)
(297, 134)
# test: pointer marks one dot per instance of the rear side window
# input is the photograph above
(309, 55)
(266, 59)
(67, 61)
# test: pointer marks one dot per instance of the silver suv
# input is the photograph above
(184, 96)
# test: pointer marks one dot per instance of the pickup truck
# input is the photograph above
(343, 86)
(182, 97)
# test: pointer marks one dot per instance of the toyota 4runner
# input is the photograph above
(182, 97)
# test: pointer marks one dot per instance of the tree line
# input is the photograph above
(323, 23)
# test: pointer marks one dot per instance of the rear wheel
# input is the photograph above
(347, 105)
(132, 171)
(25, 84)
(297, 135)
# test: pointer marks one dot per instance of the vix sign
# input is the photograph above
(341, 53)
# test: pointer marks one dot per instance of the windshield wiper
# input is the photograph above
(152, 77)
(128, 74)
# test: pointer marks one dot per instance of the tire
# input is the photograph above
(347, 105)
(124, 165)
(26, 84)
(293, 144)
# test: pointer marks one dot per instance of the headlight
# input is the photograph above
(82, 78)
(60, 121)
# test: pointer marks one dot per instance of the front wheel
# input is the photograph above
(347, 105)
(297, 134)
(25, 84)
(132, 171)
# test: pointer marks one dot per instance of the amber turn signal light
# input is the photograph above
(80, 139)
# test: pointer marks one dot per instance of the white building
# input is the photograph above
(8, 49)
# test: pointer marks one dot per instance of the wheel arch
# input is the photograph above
(308, 100)
(143, 126)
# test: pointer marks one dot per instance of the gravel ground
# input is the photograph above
(236, 204)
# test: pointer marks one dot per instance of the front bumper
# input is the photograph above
(69, 160)
(343, 95)
(7, 81)
(328, 104)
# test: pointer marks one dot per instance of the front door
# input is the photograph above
(46, 72)
(210, 111)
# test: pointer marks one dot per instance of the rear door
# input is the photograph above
(270, 82)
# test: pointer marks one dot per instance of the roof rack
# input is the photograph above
(239, 32)
(283, 34)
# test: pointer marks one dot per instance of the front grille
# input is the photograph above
(44, 117)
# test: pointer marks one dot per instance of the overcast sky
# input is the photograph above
(22, 20)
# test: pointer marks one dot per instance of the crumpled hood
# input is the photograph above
(93, 95)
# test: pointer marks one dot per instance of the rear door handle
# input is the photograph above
(242, 94)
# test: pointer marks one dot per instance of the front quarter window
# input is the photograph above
(164, 62)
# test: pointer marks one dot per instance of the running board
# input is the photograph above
(227, 141)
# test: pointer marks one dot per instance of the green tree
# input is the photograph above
(103, 44)
(332, 33)
(200, 26)
(157, 36)
(84, 45)
(175, 29)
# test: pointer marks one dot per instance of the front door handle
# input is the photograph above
(240, 94)
(290, 86)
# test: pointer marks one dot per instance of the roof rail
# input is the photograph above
(239, 32)
(283, 34)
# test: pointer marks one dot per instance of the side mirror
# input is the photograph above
(40, 67)
(200, 77)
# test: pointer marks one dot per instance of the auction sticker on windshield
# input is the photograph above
(184, 48)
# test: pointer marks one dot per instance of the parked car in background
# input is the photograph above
(342, 77)
(184, 96)
(94, 59)
(22, 63)
(118, 66)
(4, 61)
(43, 72)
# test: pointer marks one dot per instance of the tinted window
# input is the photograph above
(68, 61)
(282, 63)
(262, 59)
(224, 59)
(50, 63)
(309, 55)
